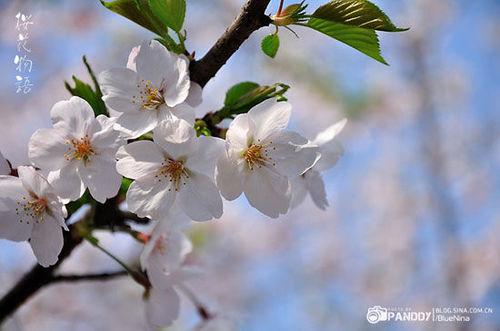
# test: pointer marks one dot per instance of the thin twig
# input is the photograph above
(88, 277)
(202, 310)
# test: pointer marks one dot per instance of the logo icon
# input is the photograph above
(376, 314)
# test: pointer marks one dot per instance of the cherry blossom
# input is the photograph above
(311, 181)
(163, 259)
(261, 156)
(79, 151)
(4, 166)
(154, 87)
(31, 210)
(176, 167)
(166, 249)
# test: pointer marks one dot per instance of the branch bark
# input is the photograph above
(88, 277)
(251, 18)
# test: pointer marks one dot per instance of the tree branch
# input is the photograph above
(88, 277)
(251, 18)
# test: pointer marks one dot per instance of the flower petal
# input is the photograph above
(162, 307)
(270, 117)
(268, 191)
(176, 137)
(67, 182)
(12, 191)
(138, 159)
(74, 116)
(150, 197)
(132, 57)
(47, 241)
(209, 149)
(47, 148)
(331, 150)
(33, 181)
(195, 97)
(298, 189)
(228, 178)
(137, 123)
(200, 199)
(106, 137)
(177, 83)
(316, 188)
(291, 154)
(239, 134)
(101, 178)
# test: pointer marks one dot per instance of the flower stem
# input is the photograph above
(202, 310)
(95, 242)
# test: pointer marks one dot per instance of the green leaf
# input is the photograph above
(139, 12)
(92, 95)
(364, 40)
(270, 45)
(238, 91)
(360, 13)
(172, 12)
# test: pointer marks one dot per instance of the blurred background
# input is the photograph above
(414, 217)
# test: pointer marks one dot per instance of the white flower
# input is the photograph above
(163, 259)
(79, 151)
(311, 181)
(165, 250)
(30, 210)
(4, 166)
(195, 96)
(177, 165)
(153, 88)
(261, 156)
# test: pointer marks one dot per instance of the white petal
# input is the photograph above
(330, 133)
(270, 117)
(119, 86)
(178, 83)
(132, 57)
(12, 191)
(4, 166)
(67, 182)
(101, 178)
(200, 199)
(148, 197)
(162, 307)
(298, 189)
(209, 149)
(47, 148)
(74, 115)
(316, 188)
(195, 97)
(182, 111)
(291, 154)
(228, 178)
(137, 123)
(267, 191)
(47, 241)
(240, 132)
(138, 159)
(176, 137)
(106, 137)
(34, 182)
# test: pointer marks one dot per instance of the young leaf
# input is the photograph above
(270, 45)
(360, 13)
(364, 40)
(139, 12)
(237, 91)
(92, 95)
(171, 12)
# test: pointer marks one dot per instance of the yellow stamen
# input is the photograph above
(174, 171)
(150, 97)
(34, 208)
(80, 149)
(257, 154)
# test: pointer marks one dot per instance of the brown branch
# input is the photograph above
(88, 277)
(251, 18)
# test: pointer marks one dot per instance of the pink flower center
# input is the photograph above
(33, 208)
(80, 149)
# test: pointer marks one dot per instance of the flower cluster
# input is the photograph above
(177, 176)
